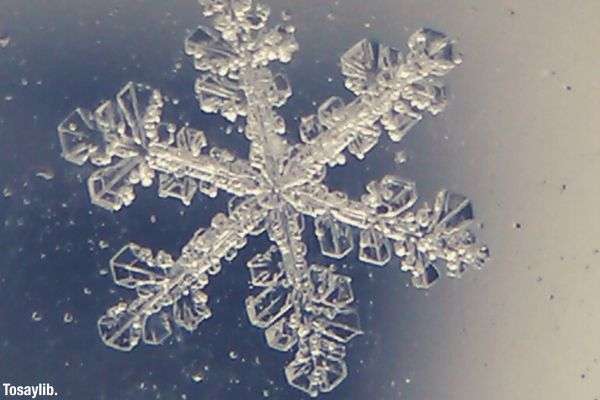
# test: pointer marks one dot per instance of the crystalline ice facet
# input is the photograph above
(157, 329)
(321, 370)
(281, 335)
(265, 269)
(111, 187)
(334, 237)
(78, 138)
(268, 305)
(119, 329)
(375, 248)
(183, 189)
(191, 309)
(131, 268)
(343, 327)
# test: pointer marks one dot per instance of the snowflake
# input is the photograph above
(303, 307)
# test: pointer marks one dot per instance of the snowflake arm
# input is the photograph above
(219, 169)
(317, 201)
(423, 239)
(285, 229)
(233, 79)
(302, 306)
(161, 282)
(129, 130)
(392, 93)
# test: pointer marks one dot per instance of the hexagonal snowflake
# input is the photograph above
(303, 307)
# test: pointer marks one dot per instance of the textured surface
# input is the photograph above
(522, 118)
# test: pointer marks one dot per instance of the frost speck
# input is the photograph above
(400, 157)
(4, 41)
(198, 376)
(45, 173)
(67, 318)
(36, 316)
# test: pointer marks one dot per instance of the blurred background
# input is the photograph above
(520, 138)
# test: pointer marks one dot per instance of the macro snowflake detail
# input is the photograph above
(302, 307)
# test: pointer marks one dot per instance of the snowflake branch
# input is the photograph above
(264, 127)
(130, 130)
(217, 170)
(285, 229)
(423, 239)
(307, 307)
(372, 211)
(160, 281)
(234, 81)
(393, 93)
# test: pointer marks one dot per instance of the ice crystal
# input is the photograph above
(301, 306)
